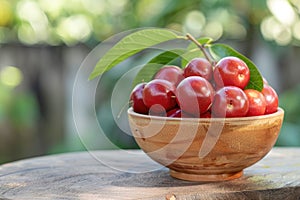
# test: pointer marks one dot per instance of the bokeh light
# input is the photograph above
(283, 11)
(296, 30)
(282, 26)
(71, 22)
(6, 13)
(97, 7)
(74, 28)
(34, 29)
(194, 23)
(147, 9)
(53, 8)
(272, 29)
(214, 30)
(11, 76)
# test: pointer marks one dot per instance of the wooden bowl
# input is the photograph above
(202, 149)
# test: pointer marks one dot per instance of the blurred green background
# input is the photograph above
(43, 43)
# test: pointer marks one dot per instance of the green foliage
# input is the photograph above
(90, 21)
(143, 39)
(202, 41)
(147, 72)
(130, 45)
(222, 50)
(18, 107)
(193, 50)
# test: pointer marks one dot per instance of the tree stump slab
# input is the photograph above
(114, 174)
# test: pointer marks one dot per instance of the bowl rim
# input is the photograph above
(279, 112)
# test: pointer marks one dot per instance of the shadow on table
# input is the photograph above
(159, 178)
(162, 178)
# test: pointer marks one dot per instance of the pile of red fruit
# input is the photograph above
(202, 90)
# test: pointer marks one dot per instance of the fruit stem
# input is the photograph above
(201, 47)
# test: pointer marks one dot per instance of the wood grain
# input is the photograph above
(201, 149)
(81, 176)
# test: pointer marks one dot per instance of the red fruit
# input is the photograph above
(157, 110)
(265, 81)
(159, 92)
(206, 115)
(176, 112)
(271, 99)
(187, 115)
(257, 102)
(231, 71)
(194, 95)
(136, 97)
(199, 67)
(173, 74)
(230, 101)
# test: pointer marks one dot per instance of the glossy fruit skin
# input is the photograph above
(230, 101)
(265, 81)
(206, 115)
(176, 112)
(160, 92)
(257, 102)
(231, 71)
(271, 98)
(194, 95)
(170, 73)
(199, 67)
(136, 98)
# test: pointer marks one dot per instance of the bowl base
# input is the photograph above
(205, 177)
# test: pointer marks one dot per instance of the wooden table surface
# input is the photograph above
(80, 176)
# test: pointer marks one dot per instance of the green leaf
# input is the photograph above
(188, 56)
(130, 45)
(194, 51)
(222, 50)
(167, 57)
(203, 41)
(149, 70)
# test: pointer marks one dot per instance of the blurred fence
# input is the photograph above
(48, 74)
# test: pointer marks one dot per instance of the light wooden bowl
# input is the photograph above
(214, 149)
